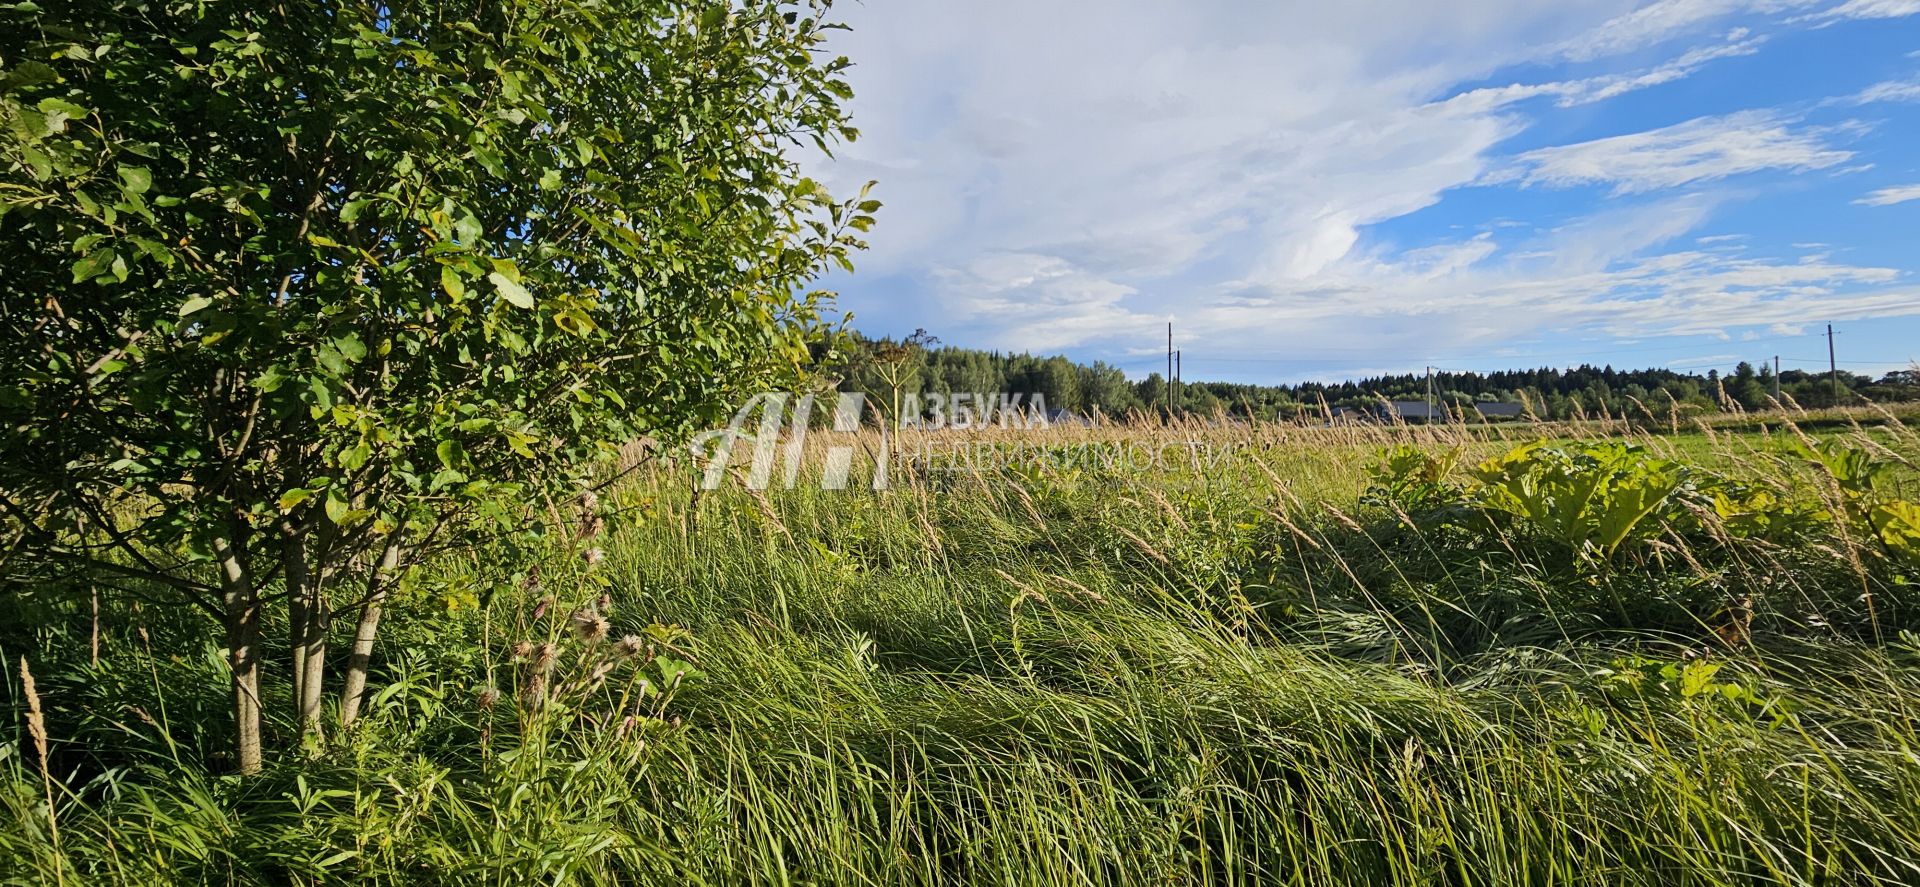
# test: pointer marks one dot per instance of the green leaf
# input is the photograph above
(451, 453)
(135, 179)
(332, 361)
(468, 230)
(194, 304)
(450, 281)
(351, 347)
(92, 265)
(337, 508)
(322, 396)
(294, 497)
(511, 291)
(490, 161)
(57, 112)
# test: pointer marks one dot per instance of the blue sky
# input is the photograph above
(1328, 190)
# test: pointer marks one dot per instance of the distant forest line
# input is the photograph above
(920, 367)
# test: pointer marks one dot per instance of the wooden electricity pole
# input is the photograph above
(1179, 389)
(1429, 395)
(1833, 368)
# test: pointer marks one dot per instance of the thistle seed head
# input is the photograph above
(543, 657)
(590, 626)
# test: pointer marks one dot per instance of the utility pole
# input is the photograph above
(1179, 390)
(1833, 368)
(1169, 394)
(1429, 395)
(1776, 380)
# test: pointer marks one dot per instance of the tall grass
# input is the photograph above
(1049, 672)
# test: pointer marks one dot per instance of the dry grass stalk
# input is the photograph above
(37, 728)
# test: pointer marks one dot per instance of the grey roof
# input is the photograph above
(1416, 409)
(1500, 409)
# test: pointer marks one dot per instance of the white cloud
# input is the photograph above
(1889, 91)
(1700, 150)
(1659, 21)
(1592, 278)
(1034, 302)
(1062, 175)
(1890, 196)
(1570, 93)
(1603, 88)
(1872, 9)
(1147, 137)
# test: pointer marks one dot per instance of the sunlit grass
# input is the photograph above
(1049, 673)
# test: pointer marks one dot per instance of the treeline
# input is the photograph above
(919, 366)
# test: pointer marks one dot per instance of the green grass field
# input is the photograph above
(1692, 663)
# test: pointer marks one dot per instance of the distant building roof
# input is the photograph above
(1502, 410)
(1416, 409)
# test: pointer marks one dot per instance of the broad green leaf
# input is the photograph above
(337, 507)
(92, 265)
(351, 347)
(56, 112)
(467, 230)
(450, 281)
(136, 179)
(451, 453)
(511, 291)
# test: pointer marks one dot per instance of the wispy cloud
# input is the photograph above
(1703, 149)
(1604, 276)
(1661, 20)
(1587, 90)
(1890, 196)
(1888, 91)
(1871, 9)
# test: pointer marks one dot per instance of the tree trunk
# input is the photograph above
(243, 651)
(293, 562)
(307, 626)
(362, 653)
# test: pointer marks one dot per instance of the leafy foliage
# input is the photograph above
(300, 283)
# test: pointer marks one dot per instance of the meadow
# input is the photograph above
(1580, 654)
